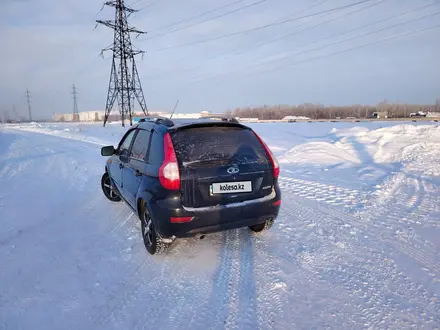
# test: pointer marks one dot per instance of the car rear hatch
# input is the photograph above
(221, 164)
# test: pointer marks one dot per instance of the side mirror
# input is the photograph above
(124, 156)
(107, 151)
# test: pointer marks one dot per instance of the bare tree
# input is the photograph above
(318, 111)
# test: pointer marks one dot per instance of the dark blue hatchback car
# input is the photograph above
(193, 178)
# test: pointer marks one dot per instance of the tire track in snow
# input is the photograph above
(186, 288)
(177, 286)
(247, 308)
(269, 305)
(363, 272)
(330, 194)
(374, 231)
(232, 302)
(398, 208)
(185, 314)
(383, 211)
(216, 309)
(233, 284)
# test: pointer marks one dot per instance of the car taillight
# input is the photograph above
(273, 160)
(169, 175)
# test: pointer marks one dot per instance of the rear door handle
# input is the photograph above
(137, 173)
(121, 166)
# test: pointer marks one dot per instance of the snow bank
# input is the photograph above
(415, 148)
(93, 133)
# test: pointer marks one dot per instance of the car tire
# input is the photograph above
(152, 241)
(108, 189)
(262, 226)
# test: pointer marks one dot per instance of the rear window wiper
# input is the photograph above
(204, 161)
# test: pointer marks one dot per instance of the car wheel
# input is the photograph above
(262, 226)
(152, 242)
(108, 189)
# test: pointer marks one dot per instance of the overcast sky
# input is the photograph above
(47, 45)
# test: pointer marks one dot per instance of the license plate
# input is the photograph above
(231, 187)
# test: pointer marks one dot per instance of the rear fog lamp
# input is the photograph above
(277, 203)
(181, 219)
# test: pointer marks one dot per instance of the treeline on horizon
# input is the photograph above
(318, 111)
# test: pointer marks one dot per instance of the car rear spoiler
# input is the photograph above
(207, 124)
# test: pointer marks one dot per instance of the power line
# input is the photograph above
(29, 105)
(370, 24)
(133, 3)
(365, 34)
(305, 29)
(197, 16)
(152, 3)
(321, 23)
(360, 46)
(296, 13)
(75, 104)
(335, 53)
(280, 22)
(340, 41)
(209, 19)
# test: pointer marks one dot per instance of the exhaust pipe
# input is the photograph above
(199, 236)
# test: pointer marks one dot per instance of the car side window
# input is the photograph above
(125, 145)
(140, 145)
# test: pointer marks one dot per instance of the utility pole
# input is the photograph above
(124, 84)
(15, 112)
(75, 104)
(29, 104)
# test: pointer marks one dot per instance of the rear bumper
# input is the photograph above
(212, 219)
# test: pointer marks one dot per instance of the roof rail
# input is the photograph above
(159, 120)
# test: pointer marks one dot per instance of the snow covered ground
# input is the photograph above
(356, 246)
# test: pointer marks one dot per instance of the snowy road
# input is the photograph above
(71, 259)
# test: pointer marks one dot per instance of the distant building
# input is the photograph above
(380, 114)
(92, 116)
(85, 116)
(205, 114)
(249, 120)
(295, 118)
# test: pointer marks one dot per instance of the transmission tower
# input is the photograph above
(15, 112)
(124, 83)
(75, 104)
(29, 104)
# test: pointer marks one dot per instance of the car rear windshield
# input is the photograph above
(205, 146)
